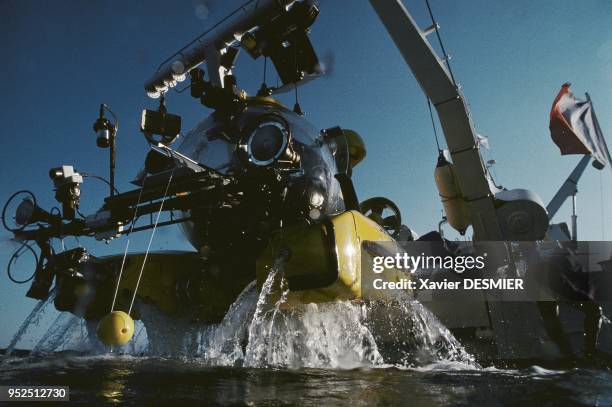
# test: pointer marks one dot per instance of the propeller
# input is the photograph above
(384, 212)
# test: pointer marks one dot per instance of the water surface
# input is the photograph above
(149, 380)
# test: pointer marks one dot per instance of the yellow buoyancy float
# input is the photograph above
(116, 329)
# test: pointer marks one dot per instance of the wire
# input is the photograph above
(446, 58)
(433, 124)
(144, 261)
(127, 245)
(14, 257)
(85, 174)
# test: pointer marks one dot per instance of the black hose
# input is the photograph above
(14, 257)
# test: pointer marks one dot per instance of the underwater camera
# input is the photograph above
(67, 182)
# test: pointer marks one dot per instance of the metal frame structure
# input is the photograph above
(439, 86)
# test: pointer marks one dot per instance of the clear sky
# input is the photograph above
(62, 58)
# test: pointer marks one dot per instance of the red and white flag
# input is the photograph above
(574, 128)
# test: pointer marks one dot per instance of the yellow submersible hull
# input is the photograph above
(326, 262)
(319, 263)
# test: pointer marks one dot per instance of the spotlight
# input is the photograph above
(28, 212)
(106, 133)
(104, 129)
(161, 123)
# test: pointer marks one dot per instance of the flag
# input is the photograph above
(575, 130)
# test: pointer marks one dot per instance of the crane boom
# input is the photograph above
(438, 86)
(569, 187)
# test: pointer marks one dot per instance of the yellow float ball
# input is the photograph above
(116, 329)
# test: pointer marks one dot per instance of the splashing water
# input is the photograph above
(330, 335)
(31, 320)
(409, 334)
(71, 333)
(225, 344)
(261, 330)
(65, 329)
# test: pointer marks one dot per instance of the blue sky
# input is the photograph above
(62, 58)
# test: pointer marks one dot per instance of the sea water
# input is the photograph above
(262, 352)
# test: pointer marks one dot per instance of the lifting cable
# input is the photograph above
(435, 27)
(144, 261)
(127, 245)
(450, 71)
(433, 124)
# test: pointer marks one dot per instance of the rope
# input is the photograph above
(144, 261)
(127, 245)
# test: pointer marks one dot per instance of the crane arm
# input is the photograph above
(438, 86)
(569, 187)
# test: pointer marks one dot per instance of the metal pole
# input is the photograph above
(112, 162)
(574, 219)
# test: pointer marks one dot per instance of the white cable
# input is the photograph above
(144, 261)
(127, 244)
(120, 274)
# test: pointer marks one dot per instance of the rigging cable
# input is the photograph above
(144, 261)
(446, 57)
(433, 124)
(127, 245)
(447, 61)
